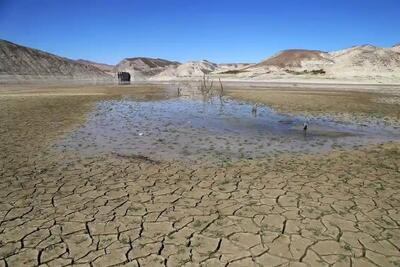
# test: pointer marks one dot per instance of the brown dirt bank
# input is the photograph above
(33, 116)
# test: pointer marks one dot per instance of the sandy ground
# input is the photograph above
(338, 209)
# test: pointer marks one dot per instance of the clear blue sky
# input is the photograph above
(218, 30)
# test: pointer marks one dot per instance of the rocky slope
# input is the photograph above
(188, 70)
(359, 63)
(296, 58)
(20, 63)
(396, 48)
(104, 67)
(365, 62)
(226, 68)
(142, 68)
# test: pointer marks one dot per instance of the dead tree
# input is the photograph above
(207, 89)
(206, 86)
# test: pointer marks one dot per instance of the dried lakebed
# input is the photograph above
(87, 206)
(189, 129)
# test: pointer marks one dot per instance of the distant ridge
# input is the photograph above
(293, 58)
(396, 48)
(23, 63)
(188, 69)
(142, 68)
(104, 67)
(366, 63)
(361, 62)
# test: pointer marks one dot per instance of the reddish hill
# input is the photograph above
(293, 58)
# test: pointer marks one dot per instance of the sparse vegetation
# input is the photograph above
(233, 71)
(313, 72)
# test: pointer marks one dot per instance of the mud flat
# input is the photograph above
(187, 129)
(67, 199)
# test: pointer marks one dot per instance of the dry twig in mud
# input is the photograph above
(206, 86)
(207, 89)
(221, 91)
(185, 88)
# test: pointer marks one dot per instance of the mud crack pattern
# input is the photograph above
(342, 209)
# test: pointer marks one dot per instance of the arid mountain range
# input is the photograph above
(104, 67)
(366, 63)
(20, 63)
(142, 68)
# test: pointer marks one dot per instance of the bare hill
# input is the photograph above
(143, 68)
(232, 67)
(20, 63)
(104, 67)
(365, 62)
(396, 48)
(295, 58)
(188, 69)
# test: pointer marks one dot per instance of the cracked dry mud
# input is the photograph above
(58, 209)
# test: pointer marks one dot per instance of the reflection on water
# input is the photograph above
(184, 128)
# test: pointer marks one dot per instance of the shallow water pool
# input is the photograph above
(190, 129)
